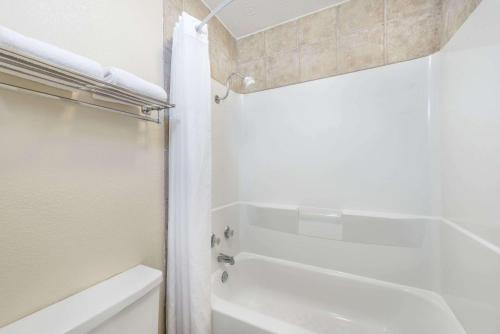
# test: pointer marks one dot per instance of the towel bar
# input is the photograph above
(26, 73)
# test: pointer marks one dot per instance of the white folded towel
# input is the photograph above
(132, 82)
(15, 41)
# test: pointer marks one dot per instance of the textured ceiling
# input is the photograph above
(244, 17)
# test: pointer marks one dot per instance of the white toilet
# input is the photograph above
(125, 304)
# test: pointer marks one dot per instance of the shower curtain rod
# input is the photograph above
(214, 12)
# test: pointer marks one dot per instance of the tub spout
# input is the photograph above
(223, 258)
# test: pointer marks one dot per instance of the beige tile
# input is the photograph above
(196, 8)
(413, 37)
(281, 38)
(221, 67)
(357, 15)
(216, 31)
(455, 13)
(397, 9)
(283, 69)
(221, 39)
(175, 3)
(171, 16)
(360, 50)
(222, 44)
(319, 26)
(318, 60)
(251, 48)
(256, 69)
(167, 56)
(233, 50)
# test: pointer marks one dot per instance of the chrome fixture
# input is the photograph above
(228, 232)
(214, 241)
(224, 277)
(20, 71)
(247, 82)
(223, 258)
(214, 12)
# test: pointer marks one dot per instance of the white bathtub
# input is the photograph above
(268, 295)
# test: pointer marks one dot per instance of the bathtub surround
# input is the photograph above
(327, 143)
(315, 140)
(352, 36)
(401, 249)
(470, 267)
(471, 165)
(471, 184)
(225, 143)
(82, 191)
(454, 259)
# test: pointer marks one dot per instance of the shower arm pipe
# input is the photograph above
(218, 99)
(214, 12)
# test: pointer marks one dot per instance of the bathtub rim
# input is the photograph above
(246, 315)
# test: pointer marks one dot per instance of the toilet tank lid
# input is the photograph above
(91, 307)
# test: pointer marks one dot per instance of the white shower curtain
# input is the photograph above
(189, 223)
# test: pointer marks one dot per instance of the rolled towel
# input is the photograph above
(132, 82)
(15, 41)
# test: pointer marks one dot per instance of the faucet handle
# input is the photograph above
(214, 240)
(228, 232)
(223, 258)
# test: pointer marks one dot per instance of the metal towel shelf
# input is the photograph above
(20, 71)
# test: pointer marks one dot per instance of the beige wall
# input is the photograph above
(353, 36)
(81, 190)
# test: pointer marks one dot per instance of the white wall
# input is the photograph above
(399, 249)
(360, 141)
(357, 141)
(225, 169)
(420, 137)
(81, 190)
(470, 103)
(225, 164)
(469, 73)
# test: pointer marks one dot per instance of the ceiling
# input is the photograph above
(244, 17)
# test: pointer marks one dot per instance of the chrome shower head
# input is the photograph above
(247, 82)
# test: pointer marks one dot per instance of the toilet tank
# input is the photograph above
(126, 304)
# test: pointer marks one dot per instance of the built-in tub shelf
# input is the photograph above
(22, 72)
